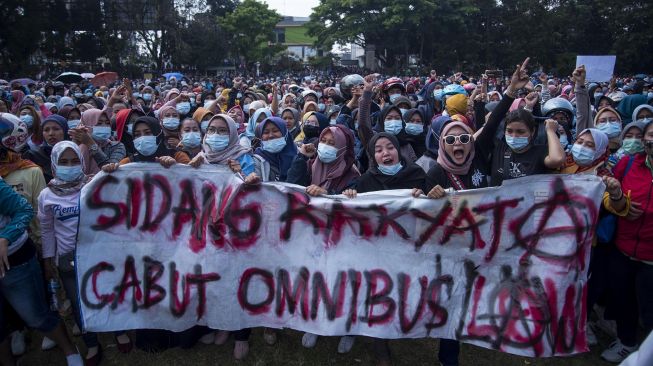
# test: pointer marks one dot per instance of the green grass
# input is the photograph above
(288, 351)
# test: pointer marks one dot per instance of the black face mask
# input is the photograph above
(311, 131)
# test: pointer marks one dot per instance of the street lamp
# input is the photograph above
(258, 64)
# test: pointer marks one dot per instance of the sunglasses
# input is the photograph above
(464, 139)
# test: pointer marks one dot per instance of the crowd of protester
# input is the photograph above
(333, 135)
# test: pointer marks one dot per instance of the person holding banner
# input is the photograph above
(275, 156)
(191, 137)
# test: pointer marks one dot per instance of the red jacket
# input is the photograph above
(635, 238)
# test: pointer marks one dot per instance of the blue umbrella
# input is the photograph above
(176, 75)
(23, 81)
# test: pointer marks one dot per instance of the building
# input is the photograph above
(292, 33)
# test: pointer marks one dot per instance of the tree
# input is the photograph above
(20, 31)
(250, 29)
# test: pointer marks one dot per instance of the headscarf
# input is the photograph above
(433, 135)
(304, 110)
(91, 117)
(457, 104)
(233, 151)
(515, 104)
(65, 111)
(161, 111)
(62, 122)
(639, 108)
(628, 104)
(13, 136)
(64, 101)
(337, 174)
(601, 152)
(445, 161)
(58, 186)
(154, 126)
(494, 92)
(634, 124)
(241, 118)
(17, 97)
(283, 159)
(169, 94)
(200, 113)
(296, 129)
(250, 132)
(322, 123)
(606, 109)
(410, 174)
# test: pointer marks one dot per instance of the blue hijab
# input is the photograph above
(433, 135)
(283, 159)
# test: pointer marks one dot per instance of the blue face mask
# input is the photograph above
(275, 145)
(649, 95)
(89, 94)
(326, 153)
(612, 129)
(390, 169)
(356, 126)
(582, 155)
(130, 128)
(321, 107)
(517, 143)
(333, 122)
(101, 132)
(217, 142)
(207, 103)
(597, 96)
(191, 139)
(183, 108)
(73, 123)
(204, 125)
(403, 111)
(393, 97)
(414, 128)
(564, 141)
(147, 97)
(69, 173)
(146, 145)
(246, 108)
(392, 126)
(78, 95)
(28, 120)
(171, 123)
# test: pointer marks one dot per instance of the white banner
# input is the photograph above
(504, 268)
(598, 68)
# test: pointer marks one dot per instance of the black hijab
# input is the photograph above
(410, 176)
(155, 127)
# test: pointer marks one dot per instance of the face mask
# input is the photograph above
(171, 123)
(319, 94)
(403, 111)
(392, 126)
(207, 104)
(356, 126)
(89, 94)
(275, 145)
(27, 119)
(204, 125)
(321, 107)
(105, 94)
(582, 155)
(632, 146)
(564, 141)
(517, 143)
(78, 95)
(192, 102)
(649, 95)
(393, 97)
(333, 122)
(183, 107)
(146, 145)
(246, 108)
(239, 95)
(612, 129)
(147, 97)
(311, 131)
(69, 173)
(130, 128)
(414, 128)
(645, 120)
(326, 153)
(73, 123)
(217, 142)
(101, 132)
(390, 169)
(191, 139)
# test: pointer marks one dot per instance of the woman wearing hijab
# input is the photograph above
(202, 116)
(170, 122)
(72, 114)
(94, 136)
(59, 233)
(54, 130)
(256, 117)
(631, 140)
(388, 170)
(124, 127)
(415, 130)
(292, 118)
(236, 113)
(32, 120)
(588, 154)
(220, 146)
(313, 123)
(273, 159)
(148, 146)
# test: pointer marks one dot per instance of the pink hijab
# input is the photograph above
(241, 118)
(445, 161)
(515, 104)
(17, 97)
(340, 172)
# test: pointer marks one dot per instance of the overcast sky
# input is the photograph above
(297, 8)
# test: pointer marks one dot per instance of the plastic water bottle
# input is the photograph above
(53, 288)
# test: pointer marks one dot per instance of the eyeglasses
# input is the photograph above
(463, 139)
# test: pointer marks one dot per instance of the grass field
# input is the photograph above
(288, 351)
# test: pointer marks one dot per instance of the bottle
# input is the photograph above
(53, 288)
